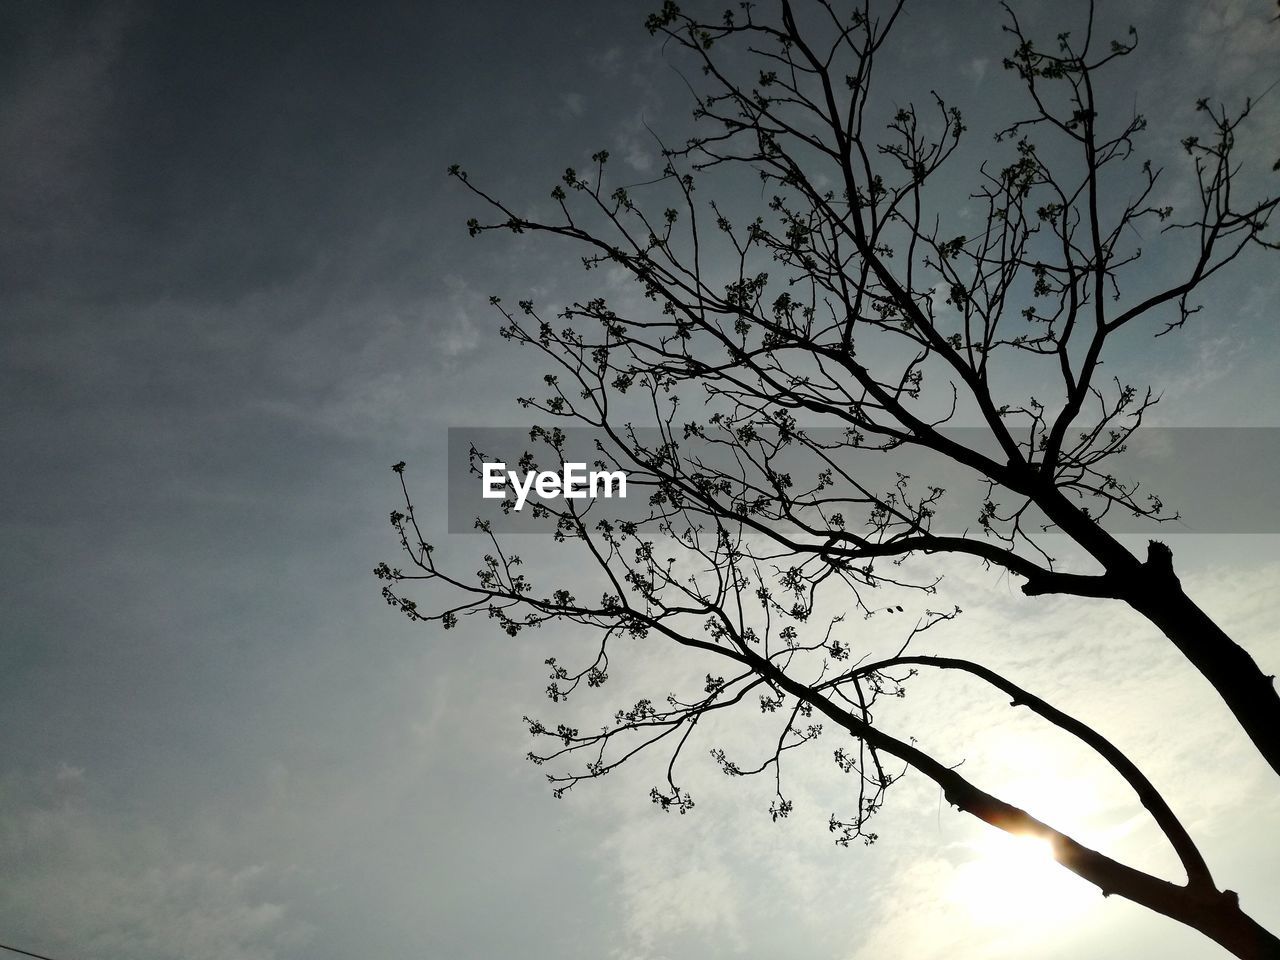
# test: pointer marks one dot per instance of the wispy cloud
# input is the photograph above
(572, 105)
(82, 883)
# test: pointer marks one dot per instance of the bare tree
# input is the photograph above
(848, 303)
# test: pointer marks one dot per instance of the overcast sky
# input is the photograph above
(236, 285)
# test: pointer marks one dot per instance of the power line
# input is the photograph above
(25, 953)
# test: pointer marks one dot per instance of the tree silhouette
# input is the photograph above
(849, 302)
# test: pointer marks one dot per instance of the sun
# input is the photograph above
(1014, 881)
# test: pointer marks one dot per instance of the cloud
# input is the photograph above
(665, 895)
(400, 352)
(608, 61)
(50, 117)
(1230, 38)
(572, 105)
(975, 69)
(450, 320)
(636, 144)
(80, 882)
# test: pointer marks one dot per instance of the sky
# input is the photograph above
(236, 286)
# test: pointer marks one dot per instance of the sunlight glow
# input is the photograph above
(1013, 881)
